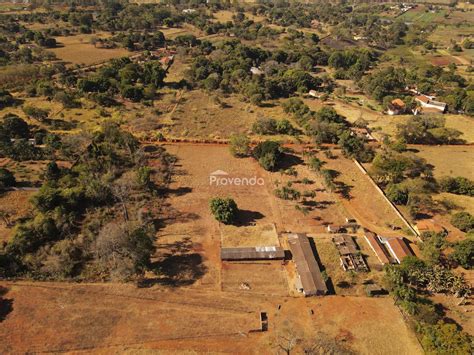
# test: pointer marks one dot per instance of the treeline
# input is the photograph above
(446, 84)
(94, 218)
(132, 81)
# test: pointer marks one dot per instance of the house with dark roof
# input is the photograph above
(309, 281)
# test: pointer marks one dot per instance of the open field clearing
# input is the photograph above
(51, 317)
(465, 203)
(248, 236)
(199, 115)
(78, 50)
(15, 205)
(449, 160)
(264, 278)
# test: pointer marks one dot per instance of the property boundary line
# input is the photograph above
(399, 214)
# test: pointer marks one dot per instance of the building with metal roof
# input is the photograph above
(253, 253)
(310, 280)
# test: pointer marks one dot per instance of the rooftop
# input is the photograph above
(253, 253)
(308, 269)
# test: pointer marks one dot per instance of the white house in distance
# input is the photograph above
(256, 71)
(428, 104)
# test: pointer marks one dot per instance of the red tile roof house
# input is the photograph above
(396, 107)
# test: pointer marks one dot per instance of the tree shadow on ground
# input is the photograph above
(180, 191)
(289, 160)
(6, 304)
(344, 189)
(246, 217)
(176, 270)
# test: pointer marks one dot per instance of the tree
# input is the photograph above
(7, 179)
(240, 145)
(268, 154)
(463, 221)
(463, 253)
(15, 127)
(224, 209)
(397, 194)
(444, 338)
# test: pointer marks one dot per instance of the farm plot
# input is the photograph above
(200, 115)
(109, 318)
(265, 278)
(78, 50)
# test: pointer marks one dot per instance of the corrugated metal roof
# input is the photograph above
(306, 265)
(376, 247)
(252, 253)
(399, 248)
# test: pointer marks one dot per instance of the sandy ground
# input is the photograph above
(55, 317)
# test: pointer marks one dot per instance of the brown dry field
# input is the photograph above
(198, 115)
(105, 318)
(366, 204)
(16, 205)
(449, 160)
(197, 303)
(78, 50)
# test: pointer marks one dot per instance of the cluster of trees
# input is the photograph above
(407, 282)
(457, 185)
(94, 220)
(132, 81)
(427, 129)
(352, 63)
(270, 126)
(14, 140)
(7, 179)
(227, 68)
(446, 84)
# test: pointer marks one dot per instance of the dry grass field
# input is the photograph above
(248, 236)
(365, 203)
(78, 50)
(16, 205)
(449, 160)
(107, 318)
(199, 115)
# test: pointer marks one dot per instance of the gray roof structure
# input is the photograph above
(312, 281)
(253, 253)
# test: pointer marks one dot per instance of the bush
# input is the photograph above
(444, 338)
(224, 209)
(397, 194)
(239, 145)
(457, 185)
(268, 154)
(463, 253)
(463, 221)
(7, 179)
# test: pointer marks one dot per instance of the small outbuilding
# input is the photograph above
(253, 253)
